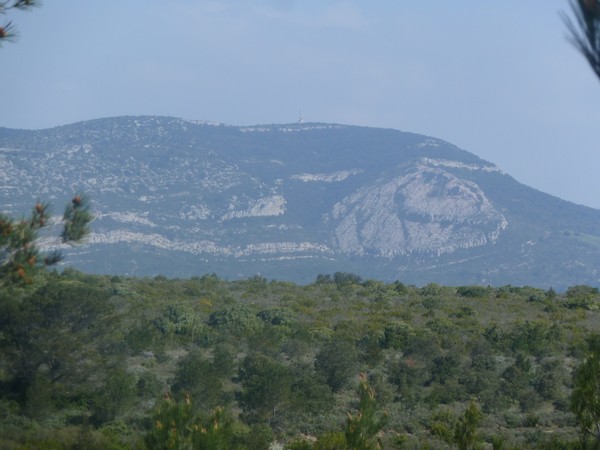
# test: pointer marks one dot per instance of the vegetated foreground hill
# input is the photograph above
(183, 198)
(85, 361)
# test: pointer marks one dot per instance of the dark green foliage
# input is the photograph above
(444, 394)
(493, 335)
(473, 291)
(409, 375)
(370, 346)
(266, 388)
(397, 335)
(298, 445)
(198, 377)
(324, 279)
(399, 287)
(549, 379)
(582, 291)
(535, 338)
(223, 363)
(432, 289)
(461, 431)
(481, 379)
(276, 316)
(259, 437)
(331, 441)
(149, 386)
(342, 279)
(177, 320)
(143, 337)
(337, 362)
(585, 400)
(464, 311)
(236, 319)
(46, 336)
(310, 394)
(423, 344)
(585, 297)
(444, 368)
(441, 426)
(114, 397)
(516, 378)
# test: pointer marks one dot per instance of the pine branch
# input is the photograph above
(20, 256)
(8, 32)
(584, 32)
(77, 218)
(6, 5)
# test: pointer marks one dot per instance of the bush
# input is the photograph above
(396, 335)
(337, 361)
(196, 375)
(298, 445)
(236, 319)
(276, 316)
(473, 291)
(346, 279)
(177, 320)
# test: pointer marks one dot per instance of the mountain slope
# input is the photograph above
(183, 198)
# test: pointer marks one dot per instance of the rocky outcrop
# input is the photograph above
(427, 209)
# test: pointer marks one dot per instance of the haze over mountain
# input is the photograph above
(183, 198)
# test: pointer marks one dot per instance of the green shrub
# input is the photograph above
(236, 319)
(473, 291)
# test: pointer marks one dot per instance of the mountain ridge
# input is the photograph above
(290, 201)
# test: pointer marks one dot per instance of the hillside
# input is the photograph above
(86, 360)
(184, 198)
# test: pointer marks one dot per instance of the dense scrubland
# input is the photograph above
(114, 362)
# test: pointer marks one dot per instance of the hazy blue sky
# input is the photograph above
(497, 78)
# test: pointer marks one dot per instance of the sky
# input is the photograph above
(496, 78)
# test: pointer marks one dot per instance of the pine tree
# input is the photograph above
(177, 427)
(20, 256)
(363, 427)
(465, 430)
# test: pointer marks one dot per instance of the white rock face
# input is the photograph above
(459, 165)
(326, 177)
(195, 212)
(128, 217)
(425, 210)
(273, 205)
(203, 247)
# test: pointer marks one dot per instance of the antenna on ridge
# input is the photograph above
(300, 119)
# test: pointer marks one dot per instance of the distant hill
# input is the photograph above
(183, 198)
